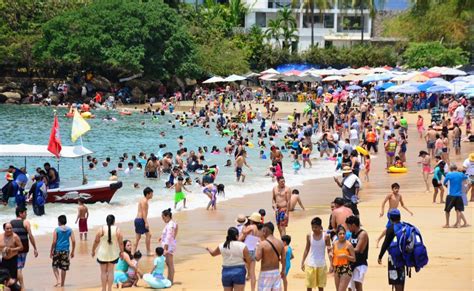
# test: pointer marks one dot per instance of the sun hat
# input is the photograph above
(241, 219)
(346, 170)
(471, 157)
(255, 217)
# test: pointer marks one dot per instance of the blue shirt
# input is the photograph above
(437, 174)
(455, 180)
(289, 252)
(63, 235)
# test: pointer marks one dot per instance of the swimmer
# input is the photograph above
(162, 134)
(136, 185)
(228, 163)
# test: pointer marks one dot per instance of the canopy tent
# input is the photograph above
(234, 78)
(269, 71)
(215, 79)
(332, 78)
(27, 150)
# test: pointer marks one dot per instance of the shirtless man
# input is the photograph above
(281, 204)
(295, 199)
(152, 168)
(340, 213)
(271, 252)
(13, 246)
(240, 161)
(394, 199)
(166, 163)
(430, 138)
(141, 221)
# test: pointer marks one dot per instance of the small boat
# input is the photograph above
(91, 192)
(97, 191)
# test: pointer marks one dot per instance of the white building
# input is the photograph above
(337, 26)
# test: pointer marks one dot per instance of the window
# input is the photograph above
(307, 20)
(328, 20)
(351, 23)
(261, 19)
(279, 3)
(327, 43)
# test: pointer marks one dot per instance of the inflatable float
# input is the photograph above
(125, 113)
(362, 151)
(394, 169)
(155, 282)
(87, 115)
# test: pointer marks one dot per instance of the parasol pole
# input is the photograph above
(84, 180)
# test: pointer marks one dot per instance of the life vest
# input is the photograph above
(371, 136)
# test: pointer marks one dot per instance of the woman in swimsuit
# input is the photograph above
(343, 253)
(425, 167)
(445, 149)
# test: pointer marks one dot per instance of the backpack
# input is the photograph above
(40, 200)
(407, 248)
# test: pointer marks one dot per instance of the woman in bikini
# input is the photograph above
(425, 167)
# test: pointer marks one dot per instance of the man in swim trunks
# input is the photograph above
(240, 161)
(281, 204)
(141, 221)
(430, 138)
(270, 252)
(12, 245)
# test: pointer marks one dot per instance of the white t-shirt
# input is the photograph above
(234, 255)
(469, 167)
(459, 112)
(354, 134)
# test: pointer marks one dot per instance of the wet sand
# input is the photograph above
(450, 250)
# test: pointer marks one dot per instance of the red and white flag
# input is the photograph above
(54, 144)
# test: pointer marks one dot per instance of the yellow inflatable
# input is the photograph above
(291, 118)
(86, 114)
(394, 169)
(362, 151)
(250, 145)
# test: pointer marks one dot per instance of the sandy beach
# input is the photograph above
(450, 250)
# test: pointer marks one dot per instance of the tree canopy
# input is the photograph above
(121, 37)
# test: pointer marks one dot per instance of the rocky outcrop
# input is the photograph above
(10, 97)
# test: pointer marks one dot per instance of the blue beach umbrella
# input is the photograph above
(384, 86)
(408, 90)
(354, 87)
(424, 86)
(437, 89)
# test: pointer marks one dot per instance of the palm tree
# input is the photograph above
(273, 30)
(289, 35)
(309, 6)
(287, 23)
(238, 10)
(370, 5)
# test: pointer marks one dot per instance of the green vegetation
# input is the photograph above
(430, 54)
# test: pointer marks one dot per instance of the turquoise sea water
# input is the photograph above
(32, 125)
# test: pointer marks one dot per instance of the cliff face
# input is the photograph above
(377, 22)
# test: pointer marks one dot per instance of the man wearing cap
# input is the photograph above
(454, 199)
(396, 276)
(350, 186)
(468, 167)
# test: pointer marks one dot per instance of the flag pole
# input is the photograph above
(84, 180)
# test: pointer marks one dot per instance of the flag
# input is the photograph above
(54, 144)
(79, 126)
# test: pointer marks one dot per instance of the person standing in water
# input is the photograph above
(281, 204)
(141, 221)
(240, 161)
(82, 216)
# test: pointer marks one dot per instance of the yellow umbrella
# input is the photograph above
(419, 78)
(352, 77)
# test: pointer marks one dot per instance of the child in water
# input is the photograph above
(262, 155)
(179, 194)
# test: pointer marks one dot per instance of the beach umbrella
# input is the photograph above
(269, 71)
(408, 90)
(310, 78)
(424, 86)
(437, 89)
(215, 79)
(251, 75)
(351, 78)
(291, 78)
(376, 77)
(345, 71)
(380, 70)
(430, 74)
(332, 78)
(354, 87)
(362, 71)
(445, 71)
(293, 73)
(268, 77)
(419, 78)
(234, 78)
(384, 86)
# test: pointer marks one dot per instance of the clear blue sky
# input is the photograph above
(395, 4)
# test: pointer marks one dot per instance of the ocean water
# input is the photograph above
(128, 134)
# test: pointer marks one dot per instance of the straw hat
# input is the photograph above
(255, 217)
(346, 170)
(241, 219)
(471, 157)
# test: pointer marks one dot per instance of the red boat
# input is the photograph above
(91, 192)
(97, 191)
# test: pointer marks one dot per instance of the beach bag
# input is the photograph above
(407, 248)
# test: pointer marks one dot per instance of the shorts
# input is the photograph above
(343, 269)
(11, 266)
(83, 225)
(238, 172)
(151, 175)
(61, 260)
(454, 201)
(234, 275)
(436, 183)
(430, 144)
(315, 276)
(358, 275)
(281, 217)
(140, 226)
(252, 255)
(390, 154)
(457, 142)
(111, 262)
(179, 196)
(269, 280)
(396, 276)
(21, 260)
(444, 150)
